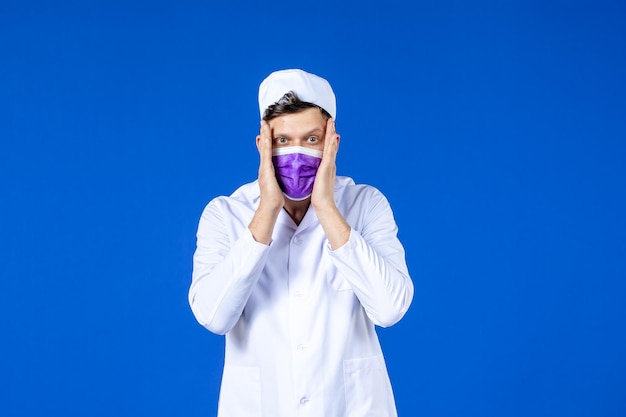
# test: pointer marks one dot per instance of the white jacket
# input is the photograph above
(299, 317)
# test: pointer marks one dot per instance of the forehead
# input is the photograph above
(302, 122)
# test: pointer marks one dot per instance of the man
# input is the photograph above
(298, 267)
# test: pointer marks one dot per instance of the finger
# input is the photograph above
(330, 141)
(261, 137)
(264, 133)
(266, 142)
(330, 128)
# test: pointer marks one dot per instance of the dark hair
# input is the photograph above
(290, 103)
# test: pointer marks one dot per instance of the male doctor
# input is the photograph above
(298, 267)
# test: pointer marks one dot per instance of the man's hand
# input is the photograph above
(272, 199)
(323, 198)
(271, 194)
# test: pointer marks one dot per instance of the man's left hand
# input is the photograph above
(323, 195)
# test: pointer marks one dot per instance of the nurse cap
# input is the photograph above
(308, 87)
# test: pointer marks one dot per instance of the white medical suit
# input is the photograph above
(299, 317)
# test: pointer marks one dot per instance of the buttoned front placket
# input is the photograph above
(307, 401)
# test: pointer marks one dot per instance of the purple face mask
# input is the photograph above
(295, 168)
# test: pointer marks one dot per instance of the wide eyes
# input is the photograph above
(283, 140)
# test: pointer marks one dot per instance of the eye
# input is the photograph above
(281, 140)
(312, 139)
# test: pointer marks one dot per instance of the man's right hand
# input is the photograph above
(271, 195)
(272, 198)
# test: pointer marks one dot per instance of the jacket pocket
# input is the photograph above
(367, 388)
(240, 393)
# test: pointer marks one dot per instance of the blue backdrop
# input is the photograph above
(496, 129)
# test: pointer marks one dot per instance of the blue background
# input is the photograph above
(496, 129)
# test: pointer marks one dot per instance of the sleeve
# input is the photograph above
(224, 271)
(373, 262)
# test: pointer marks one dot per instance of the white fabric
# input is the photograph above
(299, 318)
(286, 150)
(308, 87)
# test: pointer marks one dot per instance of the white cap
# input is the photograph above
(308, 87)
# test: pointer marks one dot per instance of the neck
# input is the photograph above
(297, 209)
